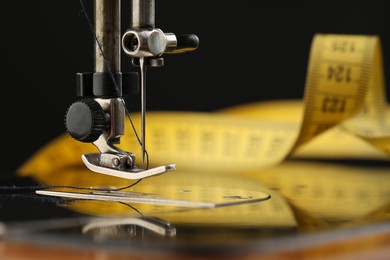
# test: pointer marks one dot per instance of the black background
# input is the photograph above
(249, 51)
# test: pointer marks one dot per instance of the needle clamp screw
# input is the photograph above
(85, 120)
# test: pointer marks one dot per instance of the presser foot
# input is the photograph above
(121, 166)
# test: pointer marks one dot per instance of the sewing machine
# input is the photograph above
(99, 115)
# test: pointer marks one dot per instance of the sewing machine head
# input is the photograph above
(99, 116)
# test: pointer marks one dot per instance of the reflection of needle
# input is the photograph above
(143, 105)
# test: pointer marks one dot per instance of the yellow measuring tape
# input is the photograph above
(343, 115)
(344, 100)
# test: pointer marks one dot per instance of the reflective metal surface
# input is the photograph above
(307, 198)
(177, 198)
(93, 162)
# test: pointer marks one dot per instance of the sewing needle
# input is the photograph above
(143, 105)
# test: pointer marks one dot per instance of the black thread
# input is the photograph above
(133, 208)
(16, 189)
(35, 197)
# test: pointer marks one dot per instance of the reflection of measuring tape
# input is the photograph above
(344, 87)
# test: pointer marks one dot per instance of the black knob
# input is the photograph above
(85, 120)
(187, 42)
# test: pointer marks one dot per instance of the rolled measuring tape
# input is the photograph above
(343, 114)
